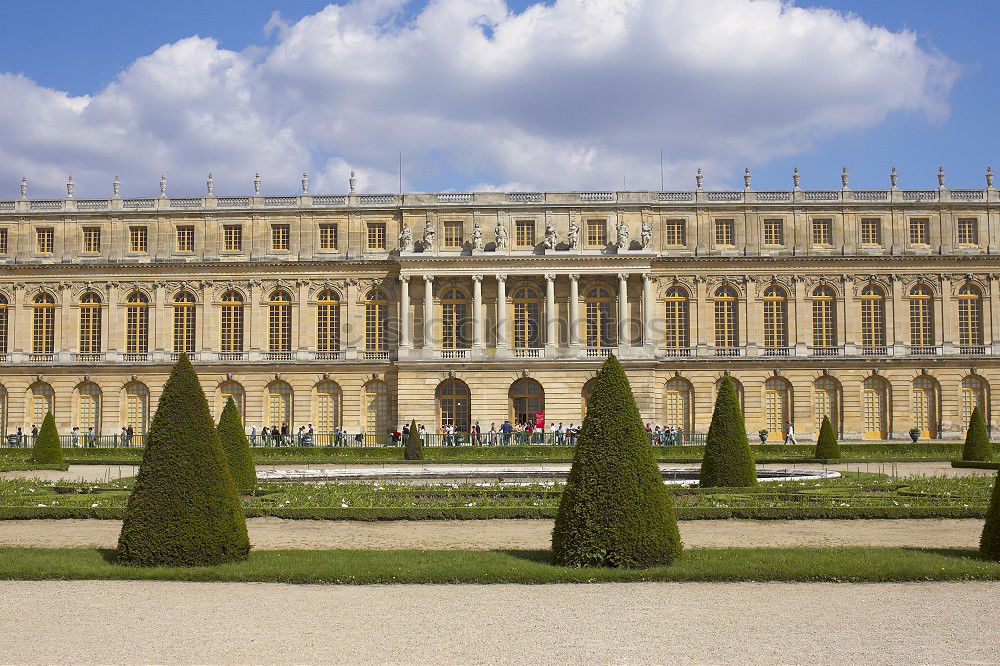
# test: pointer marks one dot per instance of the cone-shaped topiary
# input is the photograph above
(615, 510)
(989, 543)
(728, 461)
(237, 448)
(47, 450)
(414, 447)
(827, 447)
(184, 509)
(977, 440)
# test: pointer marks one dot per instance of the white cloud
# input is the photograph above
(559, 96)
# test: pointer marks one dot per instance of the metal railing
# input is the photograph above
(547, 438)
(78, 441)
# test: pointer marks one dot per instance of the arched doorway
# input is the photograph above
(88, 408)
(231, 389)
(777, 407)
(874, 403)
(974, 394)
(925, 404)
(826, 402)
(279, 405)
(328, 404)
(42, 402)
(454, 404)
(376, 409)
(527, 398)
(678, 400)
(137, 410)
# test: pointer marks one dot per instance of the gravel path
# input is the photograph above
(276, 533)
(675, 623)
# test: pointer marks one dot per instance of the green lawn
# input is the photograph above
(450, 566)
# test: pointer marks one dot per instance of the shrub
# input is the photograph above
(237, 448)
(615, 510)
(414, 447)
(989, 544)
(184, 509)
(728, 461)
(827, 447)
(977, 440)
(47, 449)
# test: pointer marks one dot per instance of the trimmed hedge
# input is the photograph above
(414, 446)
(728, 461)
(977, 439)
(47, 450)
(184, 509)
(236, 446)
(827, 447)
(615, 510)
(973, 464)
(989, 543)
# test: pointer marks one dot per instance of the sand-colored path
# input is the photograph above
(668, 623)
(275, 533)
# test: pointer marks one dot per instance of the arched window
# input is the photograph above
(777, 404)
(527, 317)
(376, 320)
(88, 408)
(925, 406)
(873, 319)
(376, 408)
(875, 401)
(328, 321)
(775, 319)
(679, 398)
(587, 394)
(974, 395)
(921, 316)
(184, 323)
(827, 402)
(824, 318)
(231, 389)
(42, 402)
(970, 318)
(43, 334)
(231, 322)
(3, 327)
(454, 404)
(136, 323)
(279, 328)
(455, 320)
(90, 323)
(600, 323)
(137, 409)
(527, 398)
(676, 325)
(279, 405)
(726, 336)
(328, 411)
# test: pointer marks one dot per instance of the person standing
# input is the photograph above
(253, 435)
(75, 437)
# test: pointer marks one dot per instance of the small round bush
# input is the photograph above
(827, 447)
(977, 439)
(728, 461)
(237, 448)
(47, 450)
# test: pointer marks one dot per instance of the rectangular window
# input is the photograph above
(453, 235)
(823, 232)
(725, 232)
(774, 232)
(376, 236)
(3, 241)
(968, 231)
(137, 238)
(45, 240)
(232, 238)
(597, 233)
(91, 240)
(920, 231)
(524, 233)
(675, 233)
(280, 237)
(185, 238)
(871, 231)
(328, 236)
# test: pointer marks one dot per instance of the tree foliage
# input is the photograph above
(827, 447)
(47, 450)
(414, 447)
(989, 543)
(184, 509)
(236, 446)
(615, 510)
(977, 439)
(728, 461)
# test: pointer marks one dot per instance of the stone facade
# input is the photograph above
(881, 308)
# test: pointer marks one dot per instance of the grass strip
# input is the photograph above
(854, 565)
(30, 467)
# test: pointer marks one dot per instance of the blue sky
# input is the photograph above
(79, 48)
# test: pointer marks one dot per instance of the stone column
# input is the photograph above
(501, 311)
(477, 314)
(647, 311)
(551, 334)
(404, 312)
(623, 310)
(574, 311)
(428, 312)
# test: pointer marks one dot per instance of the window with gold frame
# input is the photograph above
(232, 389)
(4, 322)
(774, 232)
(185, 238)
(279, 329)
(279, 405)
(454, 235)
(675, 233)
(970, 316)
(3, 241)
(826, 402)
(824, 318)
(376, 320)
(920, 231)
(328, 321)
(455, 321)
(137, 408)
(232, 238)
(726, 322)
(822, 232)
(43, 335)
(527, 317)
(677, 404)
(676, 324)
(376, 236)
(376, 408)
(184, 323)
(45, 239)
(872, 317)
(968, 231)
(524, 233)
(136, 323)
(231, 322)
(973, 395)
(328, 236)
(138, 237)
(328, 408)
(725, 233)
(90, 323)
(597, 233)
(599, 307)
(777, 407)
(454, 404)
(775, 318)
(871, 231)
(921, 316)
(89, 407)
(280, 238)
(91, 240)
(42, 402)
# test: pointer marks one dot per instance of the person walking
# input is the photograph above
(130, 434)
(253, 435)
(790, 433)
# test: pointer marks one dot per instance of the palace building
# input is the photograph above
(878, 308)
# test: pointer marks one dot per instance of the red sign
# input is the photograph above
(540, 420)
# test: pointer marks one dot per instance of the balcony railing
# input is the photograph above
(875, 350)
(88, 358)
(779, 351)
(826, 351)
(972, 350)
(333, 355)
(528, 352)
(925, 350)
(452, 354)
(677, 351)
(233, 356)
(599, 352)
(375, 354)
(277, 356)
(135, 357)
(729, 351)
(41, 358)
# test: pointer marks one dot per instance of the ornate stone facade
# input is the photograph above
(880, 308)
